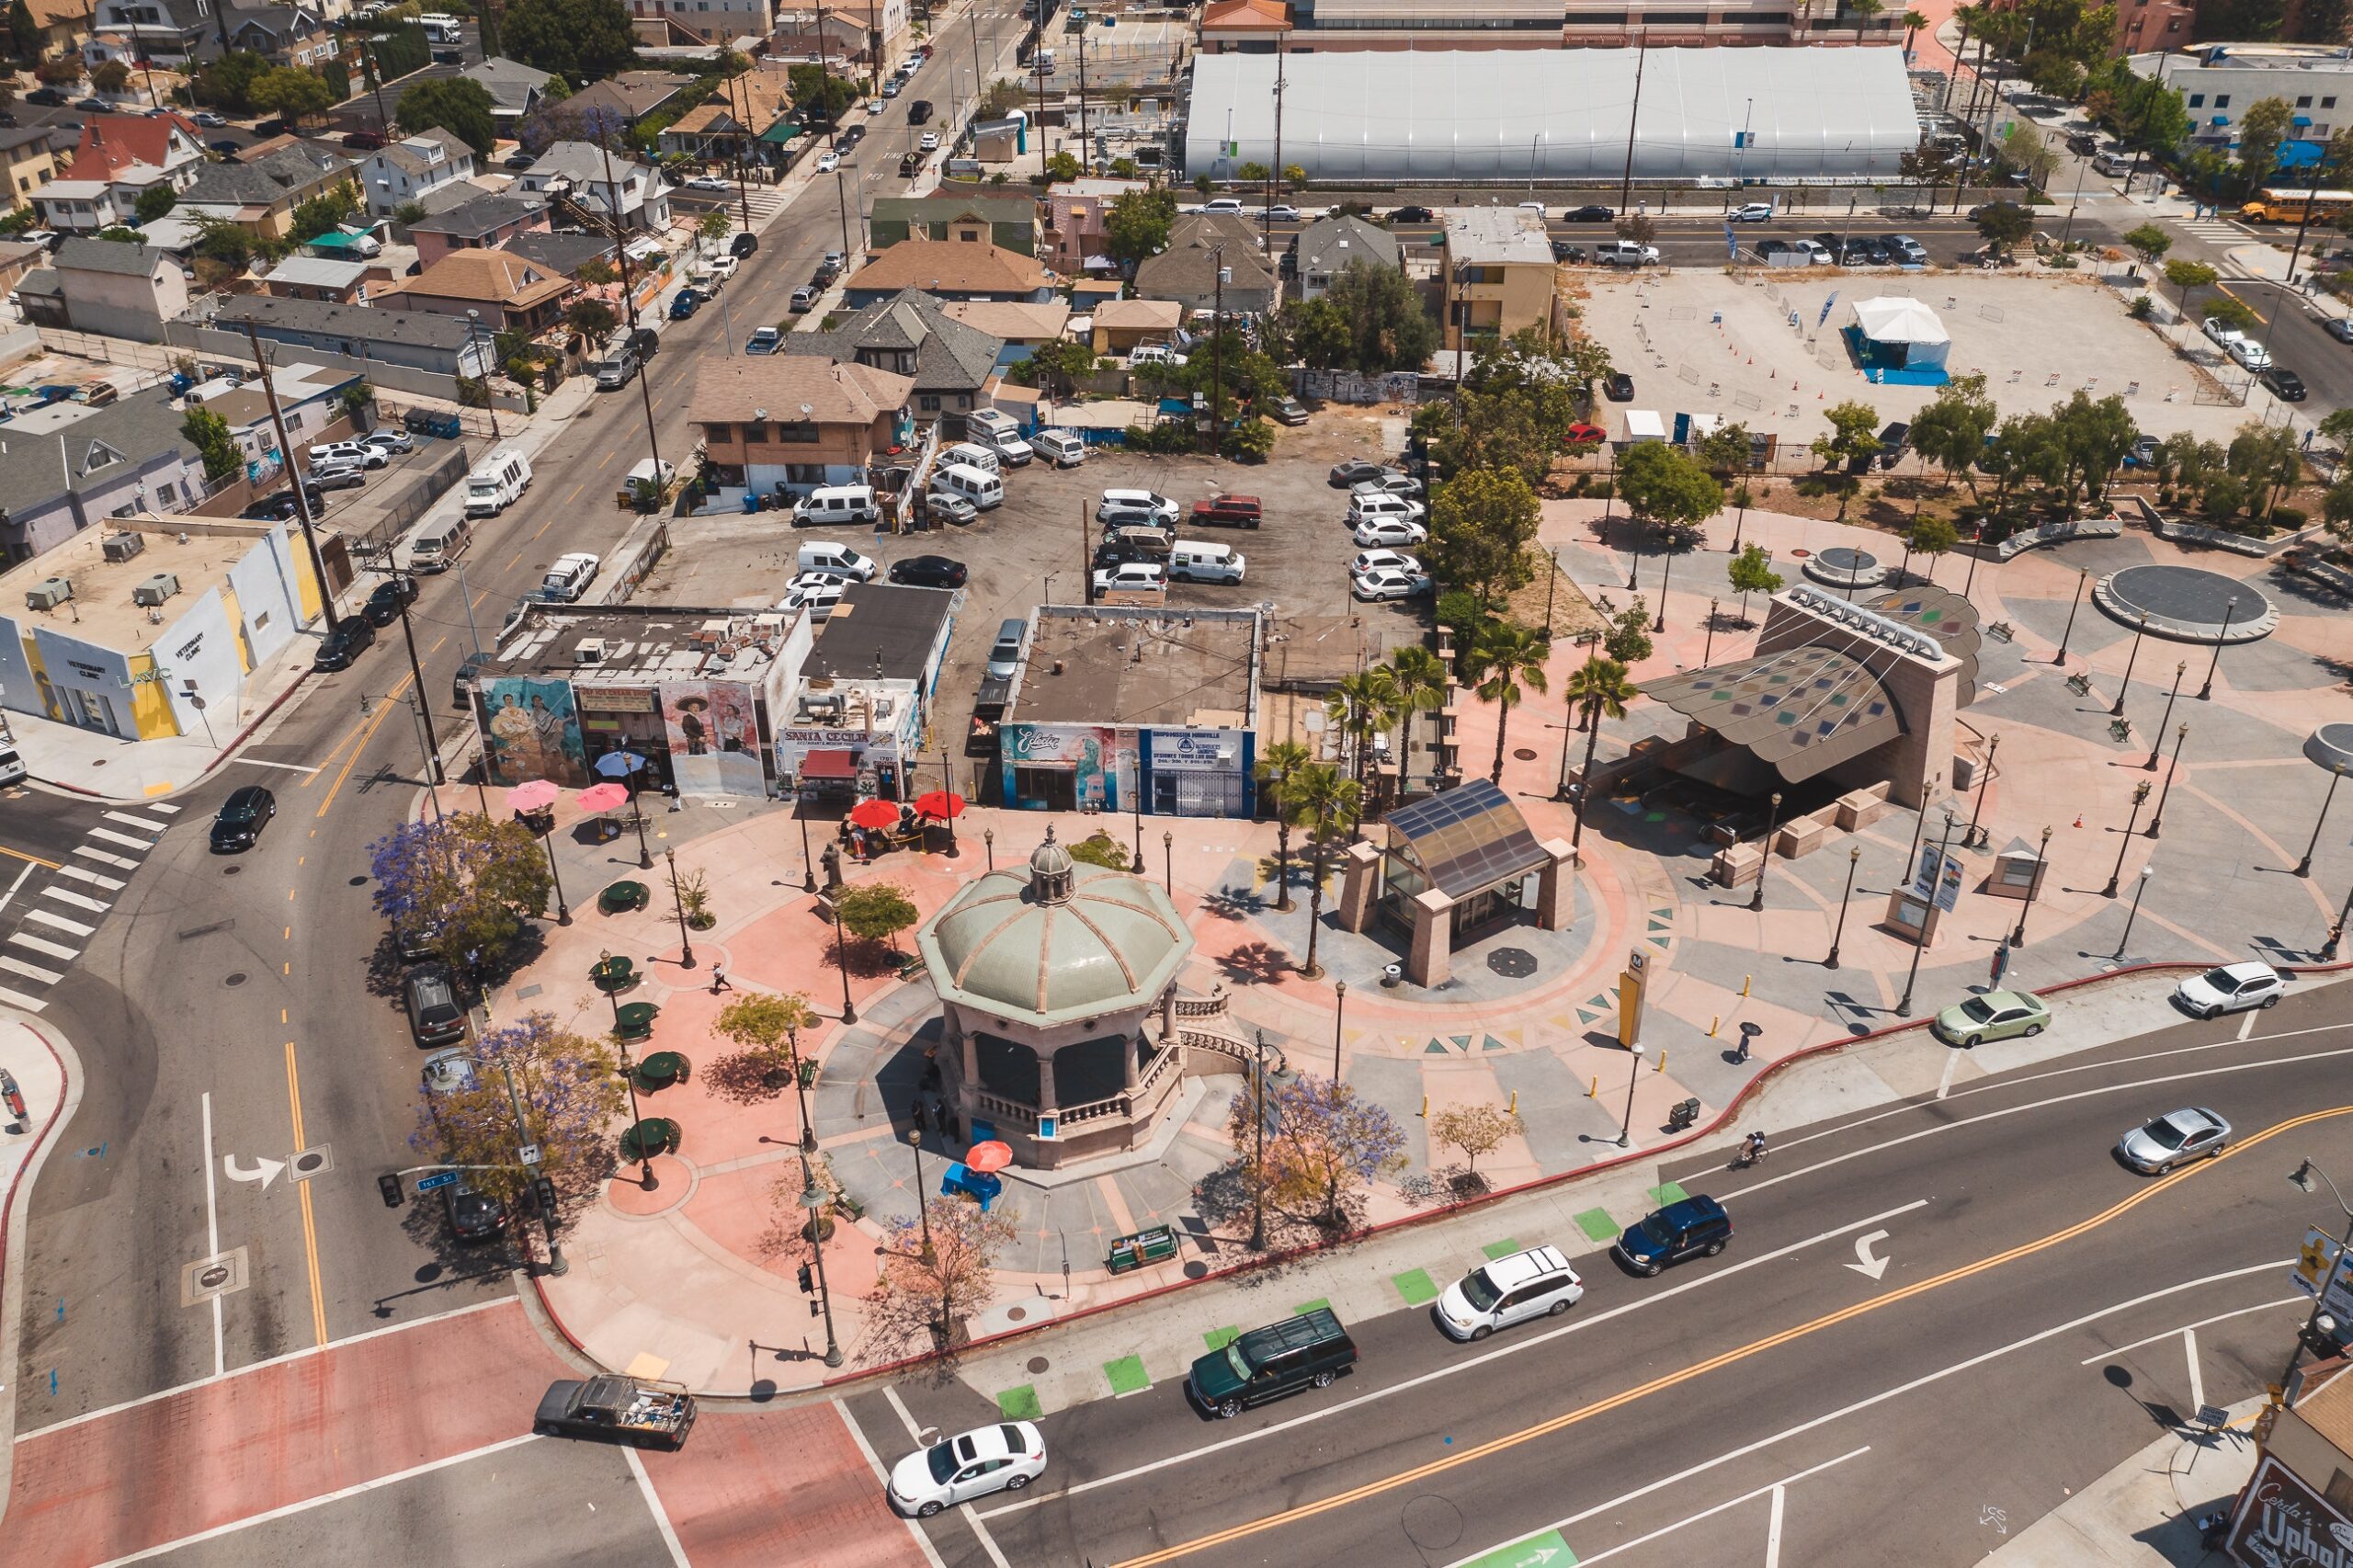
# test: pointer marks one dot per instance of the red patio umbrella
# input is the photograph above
(874, 814)
(603, 797)
(536, 795)
(941, 804)
(988, 1158)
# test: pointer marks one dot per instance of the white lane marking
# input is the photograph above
(289, 767)
(1885, 1395)
(59, 922)
(112, 885)
(858, 1435)
(1453, 1369)
(653, 1506)
(111, 837)
(15, 965)
(1773, 1525)
(14, 885)
(79, 900)
(165, 807)
(143, 824)
(21, 1002)
(307, 1351)
(1952, 1064)
(914, 1435)
(2197, 1378)
(2201, 1322)
(307, 1504)
(212, 1243)
(43, 945)
(1773, 1528)
(2246, 1025)
(105, 858)
(2040, 1105)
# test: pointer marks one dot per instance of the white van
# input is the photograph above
(1191, 562)
(12, 767)
(826, 555)
(2112, 163)
(971, 454)
(837, 504)
(569, 578)
(987, 423)
(496, 483)
(1060, 448)
(985, 491)
(441, 544)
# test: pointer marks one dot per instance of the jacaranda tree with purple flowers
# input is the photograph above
(466, 884)
(1323, 1147)
(571, 1092)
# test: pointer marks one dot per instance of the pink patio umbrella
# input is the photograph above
(603, 797)
(536, 795)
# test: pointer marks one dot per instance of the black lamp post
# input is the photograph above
(2304, 866)
(563, 910)
(2140, 795)
(2082, 577)
(1904, 1009)
(1772, 826)
(686, 943)
(2130, 660)
(816, 1200)
(1168, 863)
(947, 788)
(988, 841)
(1984, 777)
(923, 1208)
(808, 865)
(1258, 1160)
(1708, 652)
(2158, 740)
(1838, 936)
(629, 1075)
(2180, 733)
(2141, 886)
(2302, 1177)
(1633, 1077)
(2042, 866)
(644, 855)
(604, 963)
(2336, 932)
(1339, 1011)
(2230, 613)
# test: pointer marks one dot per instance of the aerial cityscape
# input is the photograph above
(1020, 784)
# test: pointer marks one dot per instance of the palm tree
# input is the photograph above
(1417, 678)
(1600, 689)
(1504, 656)
(1863, 11)
(1912, 22)
(1361, 705)
(1277, 766)
(1319, 800)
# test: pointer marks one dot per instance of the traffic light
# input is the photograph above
(808, 1285)
(389, 1184)
(543, 1193)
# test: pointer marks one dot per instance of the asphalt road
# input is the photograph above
(1955, 1397)
(234, 1008)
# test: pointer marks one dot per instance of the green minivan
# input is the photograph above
(1307, 1350)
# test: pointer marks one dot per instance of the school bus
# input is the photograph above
(2288, 206)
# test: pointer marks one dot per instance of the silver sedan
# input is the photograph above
(2175, 1139)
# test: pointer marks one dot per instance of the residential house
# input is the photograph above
(1019, 329)
(1199, 244)
(419, 340)
(807, 35)
(168, 32)
(70, 465)
(516, 89)
(484, 223)
(789, 423)
(403, 171)
(17, 258)
(562, 254)
(319, 278)
(1076, 210)
(711, 21)
(885, 22)
(1320, 251)
(946, 362)
(631, 94)
(508, 292)
(261, 194)
(309, 400)
(1123, 325)
(120, 291)
(120, 157)
(284, 35)
(1008, 222)
(953, 269)
(25, 154)
(64, 24)
(741, 113)
(1499, 273)
(600, 183)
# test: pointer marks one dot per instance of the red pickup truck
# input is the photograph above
(1228, 511)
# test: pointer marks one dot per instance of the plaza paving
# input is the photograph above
(677, 1276)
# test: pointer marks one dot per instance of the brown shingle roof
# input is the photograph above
(942, 265)
(492, 274)
(733, 388)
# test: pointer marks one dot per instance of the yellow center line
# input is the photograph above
(383, 710)
(347, 737)
(1771, 1342)
(20, 854)
(541, 530)
(436, 647)
(310, 1224)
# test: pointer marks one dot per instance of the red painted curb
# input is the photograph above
(65, 1082)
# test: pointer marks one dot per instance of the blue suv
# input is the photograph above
(1674, 1232)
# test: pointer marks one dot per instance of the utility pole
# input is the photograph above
(1633, 117)
(743, 144)
(1275, 174)
(433, 770)
(628, 295)
(1217, 351)
(1086, 158)
(294, 477)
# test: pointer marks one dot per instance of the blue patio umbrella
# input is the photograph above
(620, 763)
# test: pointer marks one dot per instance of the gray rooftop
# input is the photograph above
(129, 431)
(266, 181)
(479, 216)
(1494, 235)
(1329, 244)
(109, 255)
(558, 252)
(949, 355)
(424, 329)
(1116, 666)
(880, 628)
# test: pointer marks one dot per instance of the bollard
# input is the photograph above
(1514, 1102)
(1426, 1107)
(1744, 983)
(1595, 1092)
(1661, 1066)
(1713, 1022)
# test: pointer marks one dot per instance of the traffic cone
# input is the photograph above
(2079, 820)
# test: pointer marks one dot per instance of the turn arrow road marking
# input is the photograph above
(266, 1171)
(1865, 1263)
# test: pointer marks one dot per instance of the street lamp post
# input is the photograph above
(2130, 660)
(1984, 777)
(2139, 886)
(1839, 935)
(563, 910)
(808, 865)
(2082, 577)
(841, 962)
(646, 1179)
(815, 1199)
(2230, 613)
(947, 787)
(1339, 1011)
(1633, 1077)
(2304, 866)
(1772, 826)
(2041, 868)
(2302, 1177)
(923, 1208)
(988, 843)
(2157, 739)
(686, 943)
(2180, 733)
(2336, 932)
(2140, 795)
(1139, 813)
(1168, 863)
(637, 810)
(1708, 651)
(1904, 1009)
(1258, 1160)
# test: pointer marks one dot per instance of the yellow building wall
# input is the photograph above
(151, 710)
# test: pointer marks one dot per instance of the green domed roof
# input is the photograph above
(1055, 941)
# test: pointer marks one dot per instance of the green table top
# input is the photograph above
(637, 1018)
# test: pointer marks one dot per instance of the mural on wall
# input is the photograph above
(1100, 764)
(533, 731)
(715, 738)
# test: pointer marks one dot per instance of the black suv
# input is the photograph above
(241, 817)
(383, 606)
(345, 645)
(1306, 1351)
(1695, 1226)
(919, 111)
(743, 244)
(277, 507)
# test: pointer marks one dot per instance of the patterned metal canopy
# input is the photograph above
(1468, 839)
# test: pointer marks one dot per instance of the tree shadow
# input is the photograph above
(748, 1077)
(866, 959)
(1231, 903)
(1255, 963)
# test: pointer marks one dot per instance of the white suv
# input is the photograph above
(1511, 1289)
(1145, 576)
(1123, 503)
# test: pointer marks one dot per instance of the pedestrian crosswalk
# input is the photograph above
(2219, 230)
(51, 913)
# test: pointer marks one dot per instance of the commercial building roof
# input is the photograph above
(642, 642)
(1115, 664)
(1011, 320)
(735, 388)
(1497, 237)
(100, 610)
(361, 324)
(880, 631)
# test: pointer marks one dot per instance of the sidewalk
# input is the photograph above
(47, 1074)
(2144, 1513)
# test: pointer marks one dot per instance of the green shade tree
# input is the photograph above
(2002, 224)
(581, 41)
(1950, 432)
(766, 1032)
(1751, 572)
(227, 81)
(1599, 689)
(1504, 658)
(1931, 537)
(1389, 329)
(2189, 274)
(1482, 523)
(110, 76)
(465, 883)
(2149, 243)
(592, 319)
(2262, 130)
(2092, 438)
(153, 202)
(1362, 705)
(1851, 437)
(208, 434)
(1138, 225)
(1058, 366)
(570, 1089)
(453, 104)
(1320, 799)
(1418, 680)
(322, 212)
(25, 40)
(2232, 311)
(875, 912)
(2268, 460)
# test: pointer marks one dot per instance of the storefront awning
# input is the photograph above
(828, 764)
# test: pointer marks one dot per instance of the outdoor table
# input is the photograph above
(962, 1181)
(635, 1021)
(621, 897)
(661, 1069)
(654, 1135)
(1156, 1245)
(612, 974)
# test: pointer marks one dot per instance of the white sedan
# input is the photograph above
(1387, 583)
(930, 142)
(1390, 530)
(2230, 988)
(710, 183)
(1754, 213)
(1003, 1458)
(829, 162)
(1385, 560)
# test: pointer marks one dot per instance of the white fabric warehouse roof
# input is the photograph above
(1489, 114)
